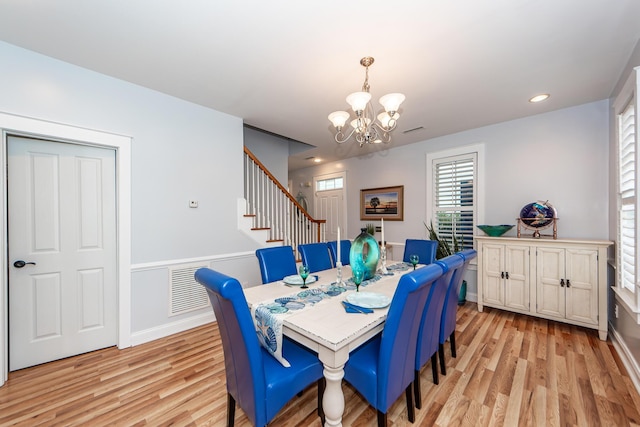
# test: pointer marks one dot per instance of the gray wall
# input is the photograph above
(271, 150)
(180, 151)
(561, 156)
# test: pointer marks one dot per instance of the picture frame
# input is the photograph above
(382, 203)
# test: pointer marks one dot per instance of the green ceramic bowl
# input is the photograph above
(495, 230)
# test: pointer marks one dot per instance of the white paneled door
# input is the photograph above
(330, 206)
(62, 250)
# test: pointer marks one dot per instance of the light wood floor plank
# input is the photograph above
(510, 370)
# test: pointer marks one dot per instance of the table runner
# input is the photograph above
(269, 315)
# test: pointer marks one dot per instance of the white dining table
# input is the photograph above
(329, 330)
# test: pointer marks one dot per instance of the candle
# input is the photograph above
(382, 231)
(339, 259)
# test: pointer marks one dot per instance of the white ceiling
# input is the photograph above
(284, 65)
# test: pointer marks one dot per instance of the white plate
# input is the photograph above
(297, 280)
(369, 299)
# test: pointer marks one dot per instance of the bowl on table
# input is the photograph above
(495, 230)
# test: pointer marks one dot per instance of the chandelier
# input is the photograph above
(366, 127)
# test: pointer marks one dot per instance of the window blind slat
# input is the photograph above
(453, 190)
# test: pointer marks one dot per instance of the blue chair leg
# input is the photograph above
(452, 339)
(443, 368)
(434, 367)
(231, 410)
(410, 409)
(416, 389)
(321, 386)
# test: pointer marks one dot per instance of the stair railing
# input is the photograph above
(275, 209)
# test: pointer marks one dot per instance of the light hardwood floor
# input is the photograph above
(510, 370)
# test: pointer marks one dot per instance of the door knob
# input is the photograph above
(20, 263)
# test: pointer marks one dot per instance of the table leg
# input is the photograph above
(333, 399)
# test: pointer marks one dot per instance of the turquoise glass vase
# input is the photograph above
(365, 254)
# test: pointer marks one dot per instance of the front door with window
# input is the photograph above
(329, 205)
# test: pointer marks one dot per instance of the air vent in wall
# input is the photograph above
(185, 294)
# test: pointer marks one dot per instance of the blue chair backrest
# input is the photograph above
(429, 334)
(345, 248)
(425, 249)
(276, 263)
(242, 353)
(399, 336)
(448, 324)
(316, 256)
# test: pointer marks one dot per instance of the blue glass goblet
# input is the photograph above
(358, 275)
(304, 273)
(414, 260)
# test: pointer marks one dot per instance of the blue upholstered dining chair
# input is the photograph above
(316, 256)
(425, 249)
(345, 248)
(276, 263)
(429, 333)
(450, 309)
(255, 380)
(382, 368)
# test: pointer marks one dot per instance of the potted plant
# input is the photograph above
(444, 250)
(371, 229)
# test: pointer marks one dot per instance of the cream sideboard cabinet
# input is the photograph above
(563, 280)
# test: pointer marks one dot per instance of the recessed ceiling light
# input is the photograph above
(540, 98)
(317, 160)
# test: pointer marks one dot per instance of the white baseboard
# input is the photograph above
(473, 297)
(165, 330)
(625, 355)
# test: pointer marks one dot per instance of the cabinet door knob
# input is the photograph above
(502, 274)
(507, 275)
(568, 283)
(562, 283)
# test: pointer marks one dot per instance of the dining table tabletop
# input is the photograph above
(327, 328)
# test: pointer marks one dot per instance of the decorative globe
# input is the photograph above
(495, 230)
(538, 215)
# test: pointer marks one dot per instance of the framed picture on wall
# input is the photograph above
(385, 202)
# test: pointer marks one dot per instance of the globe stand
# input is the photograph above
(536, 232)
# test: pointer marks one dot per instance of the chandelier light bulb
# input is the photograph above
(339, 118)
(358, 100)
(392, 101)
(387, 121)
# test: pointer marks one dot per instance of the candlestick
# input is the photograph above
(338, 250)
(383, 250)
(339, 260)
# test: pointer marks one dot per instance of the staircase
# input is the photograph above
(270, 214)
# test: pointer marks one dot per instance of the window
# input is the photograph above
(625, 117)
(453, 194)
(627, 200)
(329, 184)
